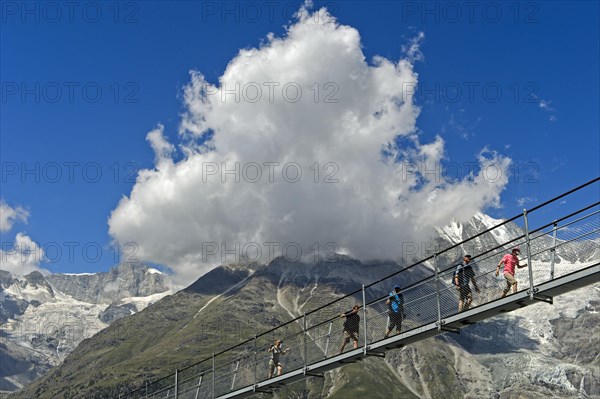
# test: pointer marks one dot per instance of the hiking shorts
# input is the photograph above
(395, 320)
(510, 279)
(273, 365)
(465, 293)
(350, 335)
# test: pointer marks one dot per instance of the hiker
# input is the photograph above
(395, 304)
(463, 275)
(274, 362)
(510, 261)
(351, 325)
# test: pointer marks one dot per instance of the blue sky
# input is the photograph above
(81, 89)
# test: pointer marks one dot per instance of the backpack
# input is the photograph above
(399, 303)
(457, 273)
(465, 272)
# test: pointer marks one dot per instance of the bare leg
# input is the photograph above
(346, 340)
(469, 301)
(279, 370)
(506, 290)
(515, 288)
(355, 344)
(389, 329)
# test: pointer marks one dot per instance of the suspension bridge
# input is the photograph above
(562, 254)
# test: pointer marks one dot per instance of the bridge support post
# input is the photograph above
(437, 291)
(176, 383)
(328, 338)
(213, 376)
(553, 251)
(305, 341)
(532, 289)
(198, 386)
(255, 360)
(237, 367)
(364, 304)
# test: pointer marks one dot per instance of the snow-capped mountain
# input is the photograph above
(537, 352)
(43, 318)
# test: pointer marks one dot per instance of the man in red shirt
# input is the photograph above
(510, 261)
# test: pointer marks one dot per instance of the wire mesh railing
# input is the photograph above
(550, 251)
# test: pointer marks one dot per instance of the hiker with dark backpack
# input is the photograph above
(351, 327)
(463, 275)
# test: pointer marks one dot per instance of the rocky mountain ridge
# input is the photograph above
(43, 318)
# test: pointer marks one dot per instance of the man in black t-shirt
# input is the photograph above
(351, 326)
(463, 275)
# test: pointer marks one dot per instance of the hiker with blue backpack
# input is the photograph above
(395, 303)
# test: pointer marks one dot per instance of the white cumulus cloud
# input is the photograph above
(324, 147)
(9, 215)
(162, 148)
(22, 257)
